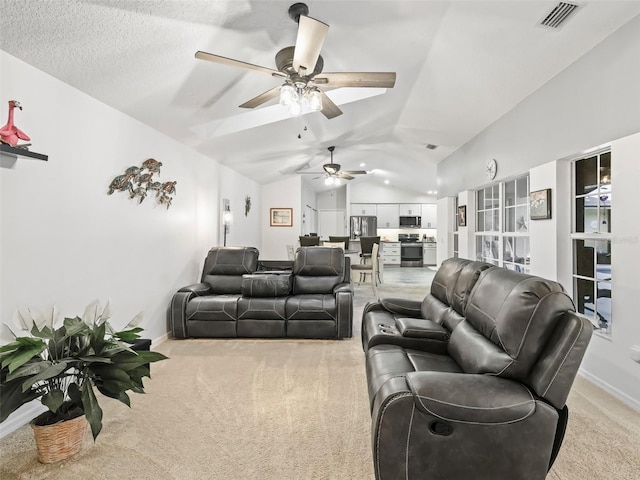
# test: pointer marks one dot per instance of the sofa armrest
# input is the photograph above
(344, 303)
(421, 328)
(197, 289)
(471, 398)
(343, 287)
(177, 313)
(402, 306)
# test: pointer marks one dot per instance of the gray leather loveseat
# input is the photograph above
(235, 299)
(471, 383)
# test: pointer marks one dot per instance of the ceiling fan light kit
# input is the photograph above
(301, 67)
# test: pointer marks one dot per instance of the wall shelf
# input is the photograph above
(21, 152)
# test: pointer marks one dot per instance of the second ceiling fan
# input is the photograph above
(332, 170)
(300, 67)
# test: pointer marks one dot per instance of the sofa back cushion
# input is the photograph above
(318, 269)
(467, 278)
(224, 267)
(445, 278)
(509, 318)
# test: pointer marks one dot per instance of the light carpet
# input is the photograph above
(285, 409)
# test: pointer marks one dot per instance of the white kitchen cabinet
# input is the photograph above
(429, 215)
(429, 253)
(390, 253)
(388, 215)
(363, 209)
(409, 209)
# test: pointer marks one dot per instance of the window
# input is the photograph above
(502, 236)
(591, 239)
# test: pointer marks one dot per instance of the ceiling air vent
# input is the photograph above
(558, 15)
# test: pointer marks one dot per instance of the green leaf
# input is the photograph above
(75, 394)
(32, 368)
(95, 359)
(121, 396)
(23, 355)
(92, 410)
(53, 371)
(129, 335)
(75, 326)
(53, 399)
(13, 397)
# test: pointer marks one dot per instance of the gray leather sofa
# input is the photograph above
(236, 298)
(473, 383)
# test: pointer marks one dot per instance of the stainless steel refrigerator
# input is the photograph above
(363, 226)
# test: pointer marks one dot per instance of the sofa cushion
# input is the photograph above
(509, 319)
(224, 267)
(266, 285)
(311, 307)
(213, 307)
(317, 269)
(445, 278)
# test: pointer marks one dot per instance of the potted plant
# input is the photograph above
(60, 364)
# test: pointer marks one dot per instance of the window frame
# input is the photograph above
(602, 325)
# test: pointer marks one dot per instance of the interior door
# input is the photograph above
(331, 222)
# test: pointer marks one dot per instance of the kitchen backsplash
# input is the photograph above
(391, 234)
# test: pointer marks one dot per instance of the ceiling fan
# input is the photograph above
(300, 67)
(332, 170)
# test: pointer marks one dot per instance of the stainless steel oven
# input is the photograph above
(410, 250)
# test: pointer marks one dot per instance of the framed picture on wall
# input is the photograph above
(540, 204)
(281, 217)
(462, 216)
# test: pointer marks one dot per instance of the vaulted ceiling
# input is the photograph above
(460, 66)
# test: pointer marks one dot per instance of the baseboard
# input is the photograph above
(161, 339)
(21, 417)
(623, 397)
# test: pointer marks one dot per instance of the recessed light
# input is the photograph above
(386, 182)
(362, 164)
(435, 192)
(430, 192)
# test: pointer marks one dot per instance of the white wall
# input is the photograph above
(594, 101)
(246, 230)
(286, 193)
(372, 193)
(64, 241)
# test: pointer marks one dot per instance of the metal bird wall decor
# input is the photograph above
(138, 181)
(11, 134)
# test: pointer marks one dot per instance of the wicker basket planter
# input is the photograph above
(60, 440)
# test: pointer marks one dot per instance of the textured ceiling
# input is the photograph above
(460, 66)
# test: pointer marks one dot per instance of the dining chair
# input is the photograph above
(370, 268)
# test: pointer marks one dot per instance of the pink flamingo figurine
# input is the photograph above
(10, 133)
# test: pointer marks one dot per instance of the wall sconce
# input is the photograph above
(227, 218)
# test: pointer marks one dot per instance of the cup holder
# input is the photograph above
(387, 332)
(384, 325)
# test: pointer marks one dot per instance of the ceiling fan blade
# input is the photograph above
(344, 175)
(355, 172)
(329, 109)
(210, 57)
(311, 35)
(357, 79)
(310, 173)
(262, 98)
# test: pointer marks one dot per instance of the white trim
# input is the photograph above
(623, 397)
(21, 417)
(161, 339)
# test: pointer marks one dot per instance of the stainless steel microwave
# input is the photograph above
(410, 222)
